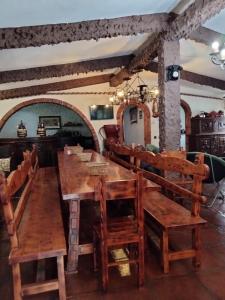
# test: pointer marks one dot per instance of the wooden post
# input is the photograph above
(169, 102)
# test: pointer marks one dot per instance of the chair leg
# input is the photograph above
(104, 262)
(196, 245)
(17, 289)
(95, 252)
(141, 268)
(165, 250)
(61, 278)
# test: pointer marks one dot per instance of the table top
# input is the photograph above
(77, 183)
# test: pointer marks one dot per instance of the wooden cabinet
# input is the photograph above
(208, 135)
(47, 147)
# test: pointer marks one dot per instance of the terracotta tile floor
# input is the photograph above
(182, 283)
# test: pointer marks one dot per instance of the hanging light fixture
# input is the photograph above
(218, 54)
(142, 93)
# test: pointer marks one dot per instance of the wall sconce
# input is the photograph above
(21, 130)
(41, 131)
(173, 72)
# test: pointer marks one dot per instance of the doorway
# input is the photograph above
(141, 117)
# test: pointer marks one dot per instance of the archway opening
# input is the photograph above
(135, 113)
(74, 122)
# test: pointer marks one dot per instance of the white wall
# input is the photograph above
(133, 132)
(182, 126)
(82, 102)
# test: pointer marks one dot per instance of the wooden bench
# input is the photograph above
(35, 227)
(164, 215)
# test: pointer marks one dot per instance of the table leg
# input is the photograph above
(74, 222)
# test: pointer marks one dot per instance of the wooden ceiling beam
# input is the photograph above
(55, 86)
(180, 26)
(33, 36)
(193, 77)
(206, 36)
(194, 16)
(64, 69)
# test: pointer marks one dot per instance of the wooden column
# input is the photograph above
(169, 103)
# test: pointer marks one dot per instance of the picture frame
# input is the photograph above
(101, 112)
(133, 115)
(51, 122)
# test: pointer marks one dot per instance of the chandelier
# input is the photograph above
(218, 54)
(142, 94)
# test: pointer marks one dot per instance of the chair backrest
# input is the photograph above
(122, 154)
(122, 190)
(17, 181)
(198, 170)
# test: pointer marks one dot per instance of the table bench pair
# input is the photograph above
(35, 227)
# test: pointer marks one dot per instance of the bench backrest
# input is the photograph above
(181, 153)
(198, 171)
(121, 154)
(19, 180)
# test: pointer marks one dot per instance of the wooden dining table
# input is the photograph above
(78, 184)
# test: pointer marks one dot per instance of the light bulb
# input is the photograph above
(222, 54)
(120, 94)
(215, 46)
(111, 99)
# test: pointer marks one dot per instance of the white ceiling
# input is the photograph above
(217, 22)
(16, 13)
(68, 52)
(194, 56)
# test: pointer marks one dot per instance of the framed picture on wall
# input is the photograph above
(133, 115)
(101, 112)
(50, 122)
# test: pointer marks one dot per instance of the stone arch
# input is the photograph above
(55, 101)
(147, 117)
(188, 113)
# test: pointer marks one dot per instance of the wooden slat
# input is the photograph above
(174, 187)
(22, 203)
(86, 249)
(37, 288)
(183, 254)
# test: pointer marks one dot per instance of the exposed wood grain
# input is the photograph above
(35, 288)
(76, 181)
(77, 184)
(55, 86)
(35, 220)
(124, 231)
(163, 214)
(64, 69)
(35, 228)
(33, 36)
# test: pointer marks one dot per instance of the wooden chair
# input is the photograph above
(35, 226)
(125, 231)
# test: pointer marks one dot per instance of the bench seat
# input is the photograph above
(40, 233)
(168, 213)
